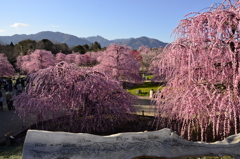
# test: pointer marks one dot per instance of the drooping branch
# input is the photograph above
(79, 97)
(202, 71)
(119, 64)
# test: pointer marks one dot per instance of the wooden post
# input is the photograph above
(8, 138)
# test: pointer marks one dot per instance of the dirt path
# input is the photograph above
(143, 104)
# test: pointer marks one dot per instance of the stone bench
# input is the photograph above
(162, 143)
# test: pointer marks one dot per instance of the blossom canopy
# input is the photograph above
(6, 68)
(85, 99)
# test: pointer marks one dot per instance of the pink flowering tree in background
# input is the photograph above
(19, 62)
(136, 55)
(94, 57)
(148, 56)
(21, 59)
(83, 101)
(81, 59)
(70, 58)
(87, 59)
(144, 49)
(144, 52)
(6, 68)
(60, 57)
(119, 64)
(39, 59)
(155, 55)
(201, 98)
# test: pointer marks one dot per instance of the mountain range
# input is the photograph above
(71, 40)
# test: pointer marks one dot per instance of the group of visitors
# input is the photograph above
(8, 87)
(8, 84)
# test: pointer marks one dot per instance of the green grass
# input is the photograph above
(11, 152)
(145, 87)
(149, 77)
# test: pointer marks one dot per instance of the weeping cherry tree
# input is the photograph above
(150, 59)
(39, 59)
(201, 98)
(117, 62)
(60, 57)
(80, 100)
(6, 68)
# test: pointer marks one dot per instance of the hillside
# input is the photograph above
(71, 40)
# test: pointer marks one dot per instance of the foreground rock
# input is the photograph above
(162, 143)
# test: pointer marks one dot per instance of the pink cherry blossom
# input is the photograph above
(60, 57)
(85, 100)
(119, 63)
(6, 68)
(202, 71)
(39, 59)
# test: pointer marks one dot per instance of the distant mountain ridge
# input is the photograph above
(72, 40)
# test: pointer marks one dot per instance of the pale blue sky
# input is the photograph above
(111, 19)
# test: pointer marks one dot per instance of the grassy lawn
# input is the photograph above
(11, 152)
(145, 88)
(149, 77)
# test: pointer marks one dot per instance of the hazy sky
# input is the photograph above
(111, 19)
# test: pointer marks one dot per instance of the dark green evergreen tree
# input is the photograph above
(95, 46)
(11, 44)
(79, 48)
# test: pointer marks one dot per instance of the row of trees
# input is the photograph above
(78, 93)
(12, 51)
(114, 59)
(23, 50)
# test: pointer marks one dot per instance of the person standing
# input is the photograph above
(9, 97)
(22, 82)
(151, 93)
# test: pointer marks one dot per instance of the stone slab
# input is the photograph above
(162, 143)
